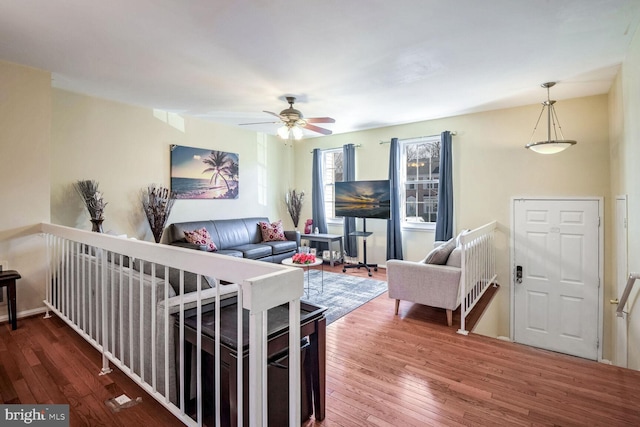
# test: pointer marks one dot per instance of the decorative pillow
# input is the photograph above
(440, 254)
(201, 237)
(272, 232)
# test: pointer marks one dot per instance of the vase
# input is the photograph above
(97, 225)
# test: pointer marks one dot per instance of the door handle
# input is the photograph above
(518, 274)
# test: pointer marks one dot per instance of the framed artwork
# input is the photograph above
(198, 173)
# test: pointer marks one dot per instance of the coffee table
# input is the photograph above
(318, 261)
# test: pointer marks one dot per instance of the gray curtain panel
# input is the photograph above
(317, 199)
(444, 218)
(394, 233)
(349, 174)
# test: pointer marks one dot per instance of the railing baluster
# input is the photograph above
(141, 322)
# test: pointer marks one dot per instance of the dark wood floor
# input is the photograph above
(45, 362)
(382, 369)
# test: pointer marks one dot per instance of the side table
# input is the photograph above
(318, 261)
(328, 239)
(8, 278)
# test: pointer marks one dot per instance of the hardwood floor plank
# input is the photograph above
(24, 393)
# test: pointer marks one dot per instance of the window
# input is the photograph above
(420, 178)
(332, 172)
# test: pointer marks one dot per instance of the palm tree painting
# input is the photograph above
(198, 173)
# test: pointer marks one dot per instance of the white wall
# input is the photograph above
(625, 178)
(125, 148)
(490, 167)
(25, 118)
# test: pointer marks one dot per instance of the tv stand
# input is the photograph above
(364, 234)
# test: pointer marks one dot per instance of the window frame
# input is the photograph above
(404, 143)
(326, 173)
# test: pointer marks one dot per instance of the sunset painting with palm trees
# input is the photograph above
(198, 173)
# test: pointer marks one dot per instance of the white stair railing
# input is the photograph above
(113, 292)
(625, 295)
(478, 268)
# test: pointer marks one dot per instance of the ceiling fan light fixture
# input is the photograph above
(283, 132)
(297, 133)
(549, 146)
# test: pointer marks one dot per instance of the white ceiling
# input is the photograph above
(366, 63)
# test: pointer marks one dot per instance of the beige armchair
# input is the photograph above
(434, 285)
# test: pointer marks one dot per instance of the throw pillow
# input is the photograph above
(201, 237)
(440, 254)
(272, 232)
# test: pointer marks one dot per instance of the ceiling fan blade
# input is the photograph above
(273, 114)
(258, 123)
(318, 129)
(320, 120)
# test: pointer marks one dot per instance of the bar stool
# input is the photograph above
(8, 279)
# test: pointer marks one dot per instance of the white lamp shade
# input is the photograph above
(550, 147)
(283, 132)
(297, 133)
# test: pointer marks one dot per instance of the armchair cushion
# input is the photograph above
(440, 254)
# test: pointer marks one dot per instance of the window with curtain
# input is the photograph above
(332, 171)
(420, 180)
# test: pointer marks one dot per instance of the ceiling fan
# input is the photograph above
(293, 121)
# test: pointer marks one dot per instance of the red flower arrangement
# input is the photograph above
(304, 259)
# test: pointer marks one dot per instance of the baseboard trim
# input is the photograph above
(25, 313)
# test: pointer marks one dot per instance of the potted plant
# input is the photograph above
(93, 200)
(294, 200)
(157, 202)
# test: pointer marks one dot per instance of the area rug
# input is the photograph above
(342, 293)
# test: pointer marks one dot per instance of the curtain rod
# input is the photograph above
(335, 148)
(453, 133)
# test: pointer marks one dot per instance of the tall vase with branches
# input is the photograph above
(93, 200)
(157, 202)
(294, 200)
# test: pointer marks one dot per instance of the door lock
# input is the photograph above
(518, 274)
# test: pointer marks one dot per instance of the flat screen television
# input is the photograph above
(363, 199)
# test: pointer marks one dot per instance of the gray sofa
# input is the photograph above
(237, 237)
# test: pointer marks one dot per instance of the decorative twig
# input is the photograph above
(157, 202)
(92, 198)
(294, 201)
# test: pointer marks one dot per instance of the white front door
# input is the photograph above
(556, 254)
(620, 358)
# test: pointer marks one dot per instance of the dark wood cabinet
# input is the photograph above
(313, 363)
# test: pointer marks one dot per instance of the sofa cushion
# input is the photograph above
(230, 252)
(232, 233)
(272, 232)
(254, 250)
(200, 237)
(176, 230)
(440, 254)
(281, 247)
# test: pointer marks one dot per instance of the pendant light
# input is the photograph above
(550, 146)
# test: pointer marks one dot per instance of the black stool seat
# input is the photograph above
(8, 278)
